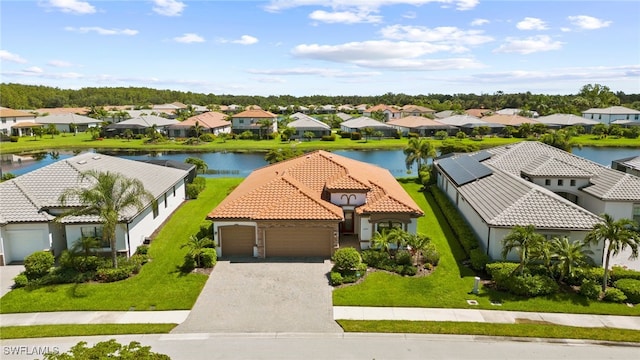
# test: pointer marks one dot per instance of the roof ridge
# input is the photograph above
(302, 188)
(26, 194)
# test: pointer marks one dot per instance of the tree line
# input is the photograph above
(20, 96)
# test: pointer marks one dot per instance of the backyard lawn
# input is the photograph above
(449, 286)
(159, 286)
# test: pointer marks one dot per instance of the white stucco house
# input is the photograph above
(611, 114)
(30, 206)
(531, 183)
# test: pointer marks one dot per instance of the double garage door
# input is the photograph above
(279, 242)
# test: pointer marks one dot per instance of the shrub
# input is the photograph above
(188, 264)
(413, 135)
(38, 264)
(590, 289)
(346, 259)
(375, 258)
(206, 229)
(529, 285)
(441, 134)
(209, 258)
(206, 138)
(356, 136)
(614, 295)
(114, 274)
(331, 137)
(335, 278)
(403, 257)
(142, 250)
(587, 273)
(192, 191)
(408, 270)
(14, 138)
(79, 263)
(456, 222)
(246, 135)
(200, 182)
(431, 255)
(20, 281)
(619, 272)
(479, 259)
(631, 288)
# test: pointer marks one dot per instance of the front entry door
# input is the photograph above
(347, 225)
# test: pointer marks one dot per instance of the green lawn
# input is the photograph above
(469, 328)
(450, 284)
(159, 285)
(38, 331)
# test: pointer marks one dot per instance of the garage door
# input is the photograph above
(237, 240)
(22, 243)
(298, 242)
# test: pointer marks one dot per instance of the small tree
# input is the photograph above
(73, 127)
(522, 239)
(196, 247)
(128, 133)
(569, 255)
(308, 135)
(201, 165)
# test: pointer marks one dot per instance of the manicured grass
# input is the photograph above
(470, 328)
(159, 285)
(449, 286)
(38, 331)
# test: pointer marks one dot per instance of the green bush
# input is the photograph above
(206, 229)
(335, 278)
(631, 288)
(431, 255)
(458, 225)
(403, 257)
(20, 281)
(614, 295)
(587, 273)
(206, 138)
(246, 135)
(413, 135)
(209, 258)
(346, 259)
(192, 191)
(14, 138)
(331, 137)
(530, 285)
(374, 258)
(501, 269)
(188, 264)
(79, 263)
(114, 274)
(619, 272)
(356, 136)
(38, 264)
(142, 250)
(590, 289)
(479, 259)
(407, 270)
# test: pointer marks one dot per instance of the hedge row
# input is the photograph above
(457, 223)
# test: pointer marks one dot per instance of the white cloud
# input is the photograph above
(34, 70)
(584, 74)
(189, 38)
(7, 56)
(529, 45)
(322, 72)
(345, 17)
(444, 34)
(280, 5)
(410, 15)
(588, 22)
(168, 7)
(244, 40)
(530, 23)
(59, 63)
(102, 31)
(71, 6)
(479, 22)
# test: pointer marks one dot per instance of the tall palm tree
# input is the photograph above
(616, 235)
(197, 128)
(418, 150)
(522, 239)
(264, 124)
(201, 165)
(108, 196)
(570, 255)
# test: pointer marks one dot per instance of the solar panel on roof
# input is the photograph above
(481, 155)
(464, 169)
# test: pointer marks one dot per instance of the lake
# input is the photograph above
(230, 164)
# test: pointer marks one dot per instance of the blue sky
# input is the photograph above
(323, 47)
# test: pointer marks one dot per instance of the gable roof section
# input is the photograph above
(612, 110)
(510, 120)
(293, 189)
(364, 122)
(145, 121)
(209, 119)
(307, 122)
(6, 112)
(67, 118)
(417, 122)
(254, 113)
(565, 120)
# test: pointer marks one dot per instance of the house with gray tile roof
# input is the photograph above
(62, 122)
(360, 123)
(629, 165)
(30, 205)
(531, 183)
(611, 114)
(304, 123)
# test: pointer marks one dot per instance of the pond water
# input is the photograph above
(230, 164)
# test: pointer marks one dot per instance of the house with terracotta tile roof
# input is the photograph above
(252, 119)
(212, 122)
(479, 112)
(508, 120)
(389, 112)
(531, 183)
(16, 122)
(416, 110)
(306, 205)
(420, 125)
(30, 206)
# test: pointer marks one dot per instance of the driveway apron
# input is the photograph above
(264, 297)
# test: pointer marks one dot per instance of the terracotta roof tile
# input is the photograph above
(255, 113)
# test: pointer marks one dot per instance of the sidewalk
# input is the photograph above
(339, 313)
(485, 316)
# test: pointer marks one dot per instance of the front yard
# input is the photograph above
(449, 286)
(160, 285)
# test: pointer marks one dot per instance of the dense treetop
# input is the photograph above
(19, 96)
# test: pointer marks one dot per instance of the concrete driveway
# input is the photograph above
(7, 273)
(264, 297)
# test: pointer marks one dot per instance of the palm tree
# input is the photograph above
(418, 150)
(51, 129)
(201, 165)
(85, 245)
(128, 133)
(265, 124)
(380, 241)
(196, 245)
(616, 235)
(197, 128)
(570, 255)
(108, 196)
(417, 244)
(522, 239)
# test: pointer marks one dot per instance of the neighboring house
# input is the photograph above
(359, 124)
(564, 120)
(444, 114)
(531, 183)
(63, 110)
(508, 120)
(139, 125)
(326, 109)
(30, 206)
(479, 112)
(467, 123)
(389, 112)
(212, 122)
(420, 125)
(251, 119)
(16, 122)
(416, 110)
(630, 165)
(305, 123)
(63, 122)
(346, 107)
(344, 117)
(611, 114)
(304, 207)
(511, 111)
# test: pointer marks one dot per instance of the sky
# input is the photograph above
(323, 47)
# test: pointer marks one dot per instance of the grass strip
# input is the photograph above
(39, 331)
(472, 328)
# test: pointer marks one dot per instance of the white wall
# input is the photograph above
(355, 199)
(20, 240)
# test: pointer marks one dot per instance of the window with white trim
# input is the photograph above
(96, 233)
